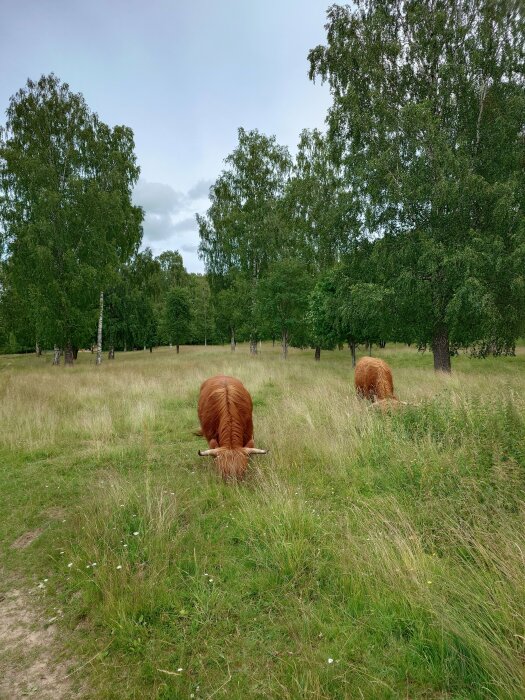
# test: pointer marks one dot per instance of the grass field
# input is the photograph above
(368, 555)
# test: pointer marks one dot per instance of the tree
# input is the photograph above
(173, 272)
(178, 316)
(321, 315)
(133, 305)
(321, 208)
(427, 119)
(65, 209)
(364, 308)
(202, 329)
(328, 312)
(231, 308)
(243, 228)
(283, 301)
(321, 211)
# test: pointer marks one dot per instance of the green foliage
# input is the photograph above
(241, 229)
(231, 308)
(65, 208)
(282, 299)
(363, 310)
(319, 207)
(427, 121)
(132, 303)
(173, 272)
(177, 316)
(322, 313)
(202, 329)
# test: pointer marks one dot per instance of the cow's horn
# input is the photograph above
(255, 451)
(208, 453)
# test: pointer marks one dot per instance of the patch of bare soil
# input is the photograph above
(25, 540)
(54, 512)
(28, 667)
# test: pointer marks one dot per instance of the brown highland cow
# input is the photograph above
(373, 380)
(225, 414)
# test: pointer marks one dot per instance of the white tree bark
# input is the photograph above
(99, 334)
(284, 345)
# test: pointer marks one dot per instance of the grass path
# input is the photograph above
(368, 555)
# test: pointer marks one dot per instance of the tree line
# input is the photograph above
(70, 237)
(403, 222)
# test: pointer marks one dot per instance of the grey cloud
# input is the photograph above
(169, 221)
(158, 198)
(200, 190)
(157, 227)
(188, 224)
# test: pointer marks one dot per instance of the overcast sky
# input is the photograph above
(184, 75)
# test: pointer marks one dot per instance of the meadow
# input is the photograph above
(369, 555)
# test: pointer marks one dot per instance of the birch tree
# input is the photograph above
(428, 121)
(243, 229)
(66, 216)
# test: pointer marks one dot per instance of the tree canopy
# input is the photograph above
(66, 215)
(427, 120)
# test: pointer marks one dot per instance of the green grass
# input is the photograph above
(392, 543)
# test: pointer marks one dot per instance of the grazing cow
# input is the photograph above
(373, 380)
(225, 415)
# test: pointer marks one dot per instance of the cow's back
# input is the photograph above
(225, 412)
(373, 378)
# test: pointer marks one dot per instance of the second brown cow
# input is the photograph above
(373, 380)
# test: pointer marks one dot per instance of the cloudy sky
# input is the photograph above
(184, 75)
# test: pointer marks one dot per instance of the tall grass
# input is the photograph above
(369, 554)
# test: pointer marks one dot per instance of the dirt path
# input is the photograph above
(27, 642)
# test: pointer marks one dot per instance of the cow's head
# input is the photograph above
(232, 463)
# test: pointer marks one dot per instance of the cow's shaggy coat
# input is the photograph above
(225, 415)
(373, 380)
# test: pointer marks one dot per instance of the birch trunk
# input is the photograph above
(56, 355)
(99, 334)
(253, 346)
(284, 345)
(111, 353)
(232, 341)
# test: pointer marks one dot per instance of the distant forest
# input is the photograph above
(403, 222)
